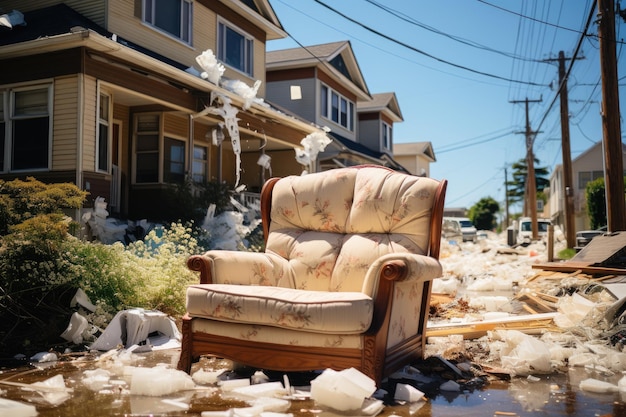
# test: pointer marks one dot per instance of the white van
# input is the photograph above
(525, 231)
(460, 228)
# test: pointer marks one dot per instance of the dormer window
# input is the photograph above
(235, 48)
(173, 17)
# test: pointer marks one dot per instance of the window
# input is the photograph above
(386, 136)
(587, 176)
(174, 161)
(234, 48)
(158, 157)
(102, 151)
(199, 163)
(30, 128)
(147, 148)
(337, 108)
(171, 16)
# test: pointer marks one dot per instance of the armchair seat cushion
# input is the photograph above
(288, 308)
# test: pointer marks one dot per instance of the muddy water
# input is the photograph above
(552, 395)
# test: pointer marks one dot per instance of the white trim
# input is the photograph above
(244, 34)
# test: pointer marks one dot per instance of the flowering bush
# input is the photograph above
(42, 266)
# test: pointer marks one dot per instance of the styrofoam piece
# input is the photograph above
(450, 386)
(158, 381)
(231, 384)
(53, 390)
(141, 405)
(343, 390)
(225, 413)
(274, 405)
(74, 332)
(96, 379)
(408, 393)
(524, 354)
(44, 357)
(598, 386)
(206, 377)
(16, 409)
(82, 299)
(268, 389)
(136, 324)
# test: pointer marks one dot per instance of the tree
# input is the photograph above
(517, 186)
(595, 194)
(482, 214)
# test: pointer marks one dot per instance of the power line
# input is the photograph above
(464, 41)
(419, 51)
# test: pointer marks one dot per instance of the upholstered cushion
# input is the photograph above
(314, 311)
(331, 226)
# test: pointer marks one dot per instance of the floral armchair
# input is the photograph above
(344, 280)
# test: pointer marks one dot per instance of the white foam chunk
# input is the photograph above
(408, 393)
(343, 390)
(595, 385)
(268, 389)
(158, 381)
(16, 409)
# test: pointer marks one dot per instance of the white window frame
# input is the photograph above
(149, 16)
(248, 47)
(167, 169)
(108, 124)
(200, 161)
(12, 117)
(343, 102)
(387, 132)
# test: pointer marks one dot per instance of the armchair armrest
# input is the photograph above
(244, 268)
(400, 267)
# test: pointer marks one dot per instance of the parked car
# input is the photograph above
(525, 231)
(459, 228)
(583, 237)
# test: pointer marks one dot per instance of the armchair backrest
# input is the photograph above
(332, 225)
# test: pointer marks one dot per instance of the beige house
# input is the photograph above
(107, 94)
(415, 156)
(587, 167)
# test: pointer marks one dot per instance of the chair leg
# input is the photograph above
(185, 360)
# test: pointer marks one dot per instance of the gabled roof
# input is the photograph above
(385, 103)
(336, 57)
(261, 13)
(350, 149)
(415, 148)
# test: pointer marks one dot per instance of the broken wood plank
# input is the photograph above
(529, 324)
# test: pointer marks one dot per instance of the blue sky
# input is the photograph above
(457, 66)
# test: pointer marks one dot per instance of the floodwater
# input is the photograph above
(552, 395)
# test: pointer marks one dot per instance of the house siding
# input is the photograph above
(125, 21)
(65, 127)
(279, 92)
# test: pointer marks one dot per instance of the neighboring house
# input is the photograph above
(324, 84)
(107, 94)
(415, 156)
(587, 167)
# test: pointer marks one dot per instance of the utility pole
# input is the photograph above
(611, 136)
(531, 183)
(568, 187)
(506, 196)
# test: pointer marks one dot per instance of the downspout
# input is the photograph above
(79, 135)
(191, 144)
